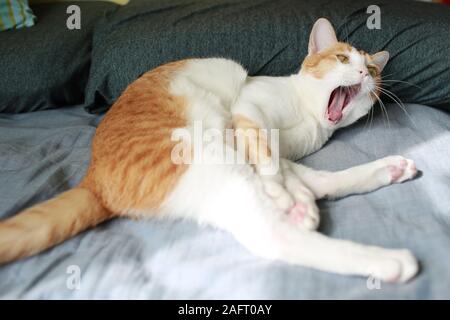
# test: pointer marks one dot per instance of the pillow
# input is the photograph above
(15, 14)
(270, 38)
(47, 66)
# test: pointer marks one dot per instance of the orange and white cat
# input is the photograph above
(132, 172)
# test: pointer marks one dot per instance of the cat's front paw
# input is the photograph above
(396, 169)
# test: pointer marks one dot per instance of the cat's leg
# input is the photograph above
(279, 181)
(292, 196)
(359, 179)
(233, 198)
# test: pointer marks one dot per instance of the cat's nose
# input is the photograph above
(363, 73)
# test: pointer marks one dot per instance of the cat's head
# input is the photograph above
(342, 79)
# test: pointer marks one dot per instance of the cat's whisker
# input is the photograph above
(370, 110)
(397, 101)
(405, 82)
(383, 109)
(370, 113)
(386, 111)
(388, 74)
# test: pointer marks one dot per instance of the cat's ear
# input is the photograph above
(322, 36)
(381, 59)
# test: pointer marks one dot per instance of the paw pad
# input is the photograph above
(403, 164)
(396, 172)
(298, 212)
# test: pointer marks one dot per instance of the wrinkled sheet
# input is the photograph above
(47, 152)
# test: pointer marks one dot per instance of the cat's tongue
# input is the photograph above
(336, 104)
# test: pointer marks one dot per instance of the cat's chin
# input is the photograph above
(339, 99)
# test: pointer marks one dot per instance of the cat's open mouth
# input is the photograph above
(339, 99)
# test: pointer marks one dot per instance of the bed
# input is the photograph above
(47, 151)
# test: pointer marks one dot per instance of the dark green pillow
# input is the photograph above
(269, 38)
(47, 66)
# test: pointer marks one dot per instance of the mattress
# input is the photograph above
(46, 152)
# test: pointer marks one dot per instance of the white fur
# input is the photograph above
(256, 208)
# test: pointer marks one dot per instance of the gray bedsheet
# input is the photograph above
(44, 153)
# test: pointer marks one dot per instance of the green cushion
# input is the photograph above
(47, 66)
(269, 38)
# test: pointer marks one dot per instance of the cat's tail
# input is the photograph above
(49, 223)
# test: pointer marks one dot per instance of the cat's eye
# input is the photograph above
(372, 70)
(343, 58)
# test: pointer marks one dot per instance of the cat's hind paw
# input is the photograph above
(394, 266)
(293, 198)
(304, 216)
(304, 212)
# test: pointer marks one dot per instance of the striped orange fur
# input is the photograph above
(257, 149)
(131, 167)
(320, 63)
(130, 170)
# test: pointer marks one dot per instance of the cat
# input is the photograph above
(274, 215)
